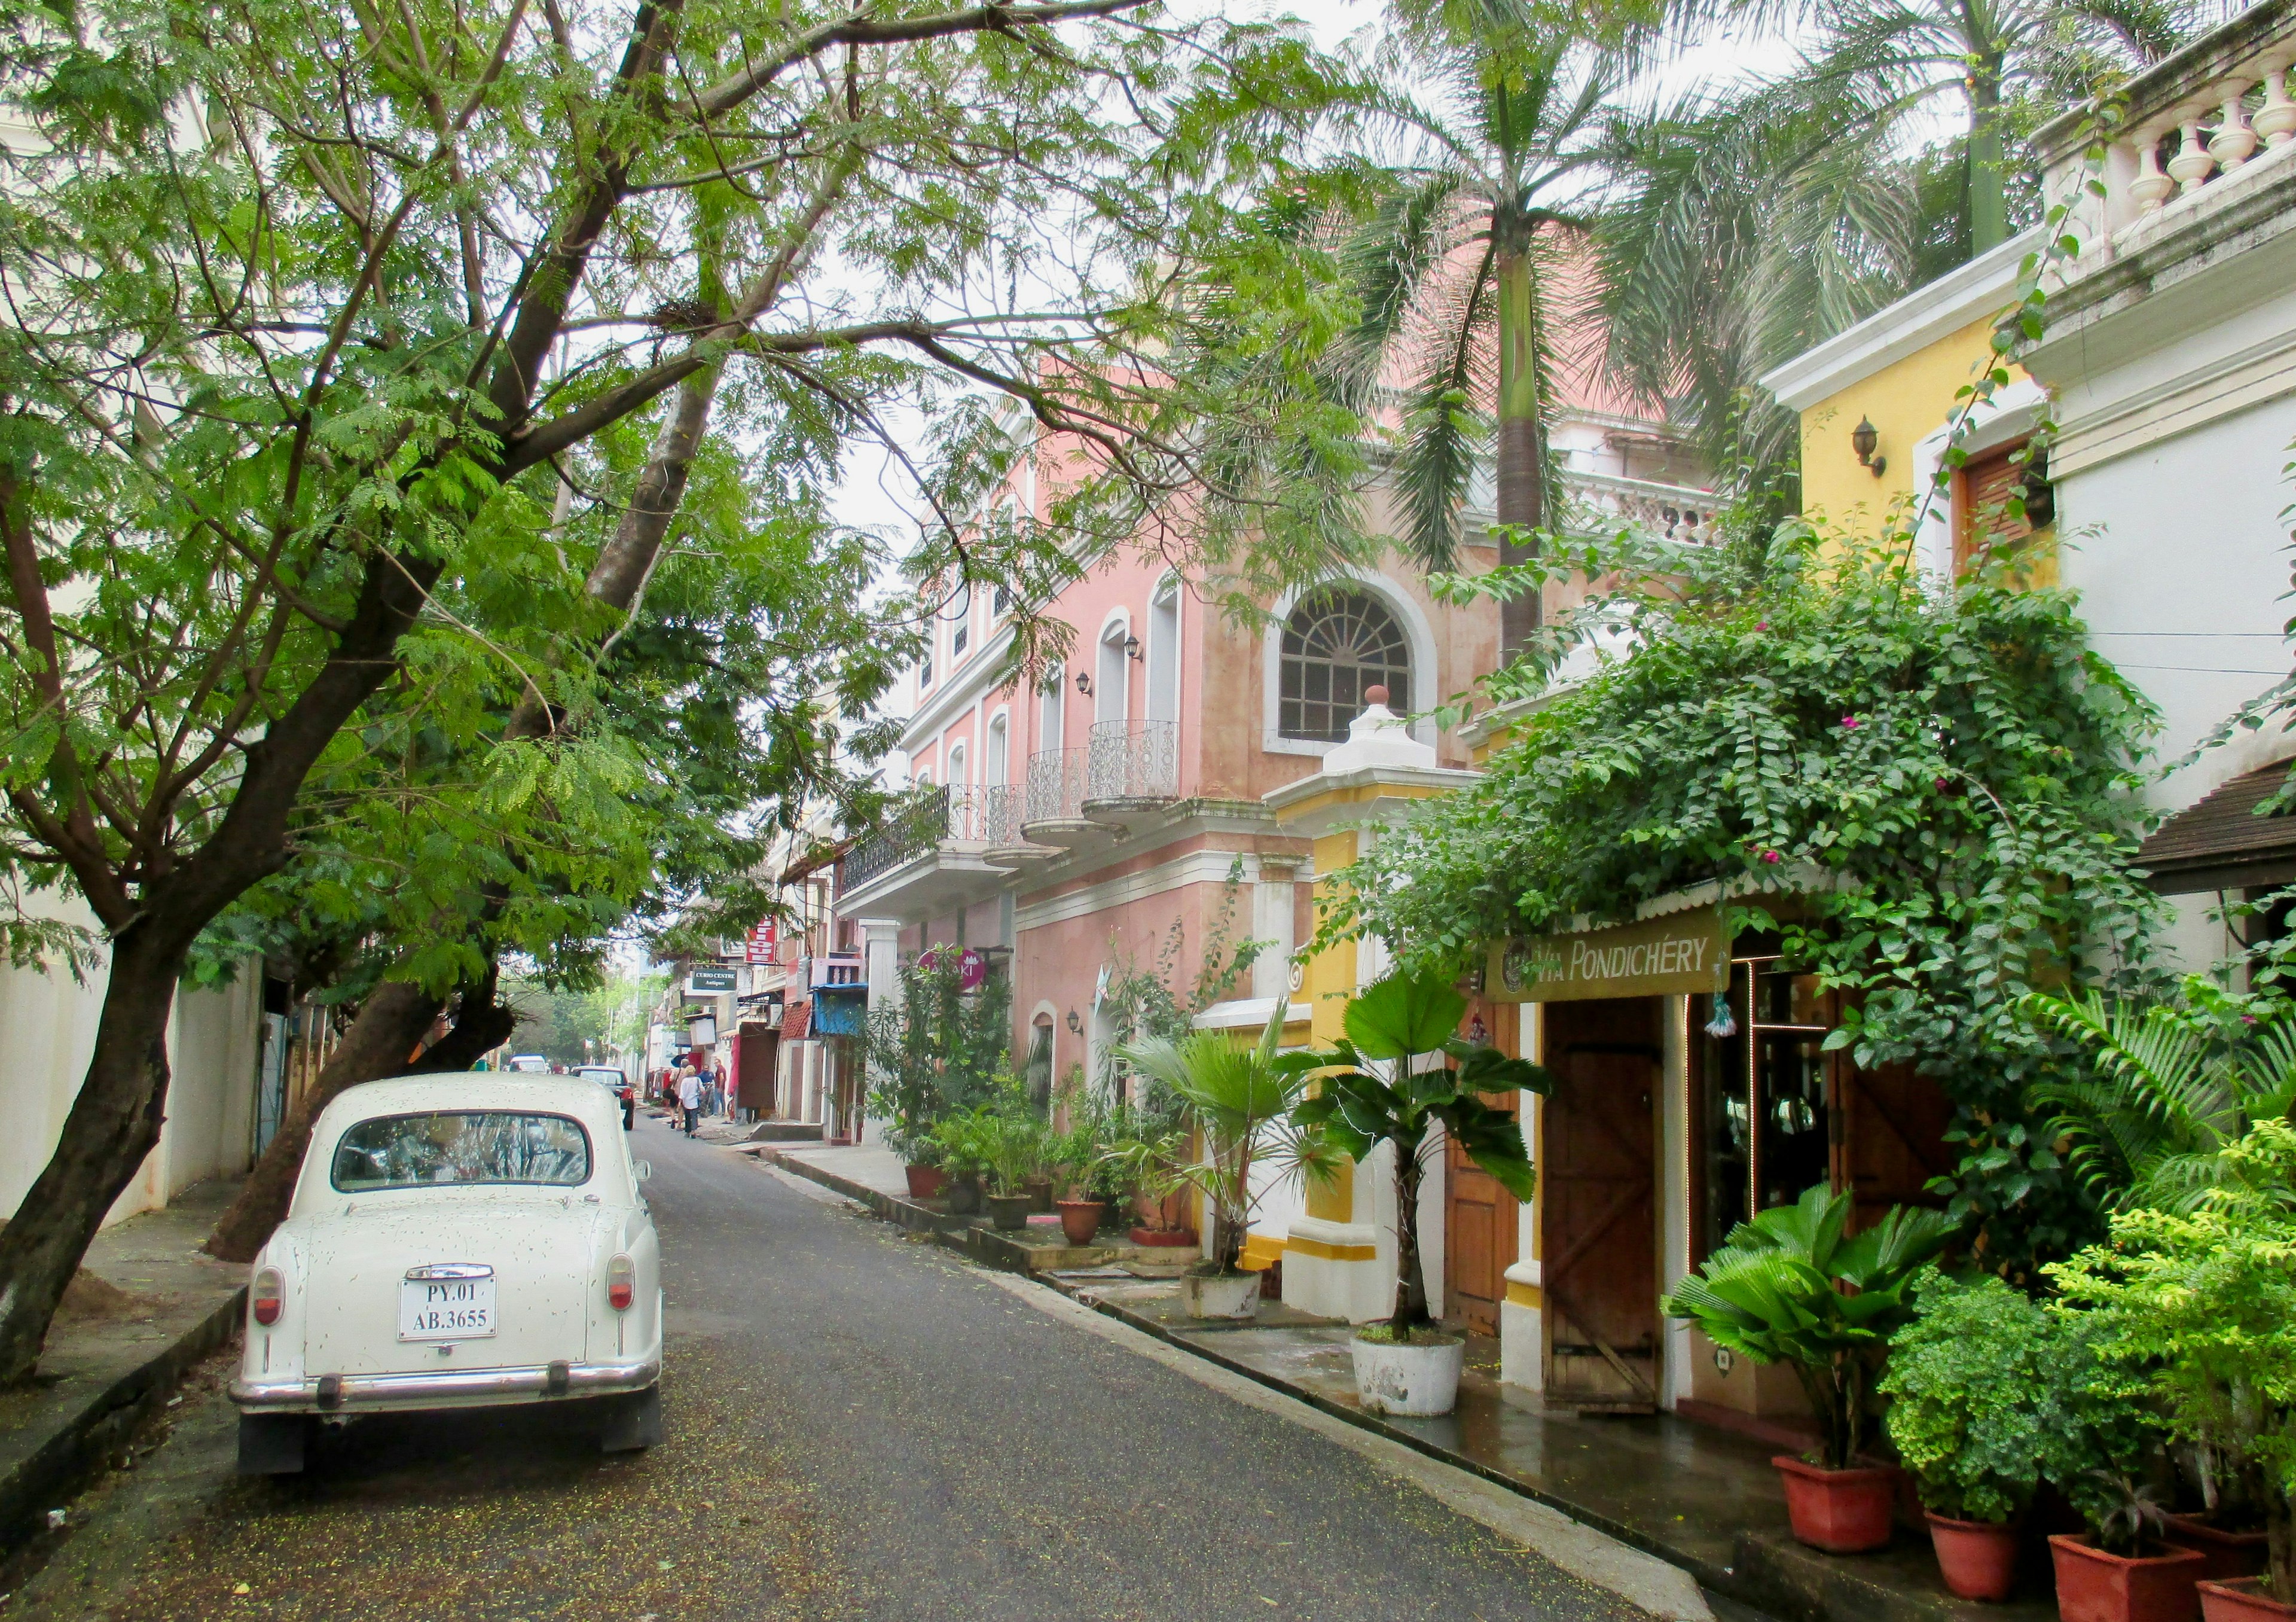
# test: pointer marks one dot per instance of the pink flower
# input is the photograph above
(1762, 625)
(1849, 723)
(1771, 856)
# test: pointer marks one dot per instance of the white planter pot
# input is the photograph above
(1221, 1295)
(1415, 1380)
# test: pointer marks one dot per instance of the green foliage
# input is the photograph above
(1242, 1104)
(1946, 782)
(1992, 1394)
(939, 1051)
(2174, 1084)
(1775, 1293)
(575, 1026)
(2197, 1309)
(1384, 1084)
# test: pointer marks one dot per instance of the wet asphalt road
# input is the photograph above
(860, 1426)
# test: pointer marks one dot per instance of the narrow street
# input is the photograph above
(859, 1427)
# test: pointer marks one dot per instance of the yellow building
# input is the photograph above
(1878, 406)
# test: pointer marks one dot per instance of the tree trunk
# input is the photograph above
(1988, 200)
(113, 1125)
(481, 1025)
(1521, 470)
(1410, 1277)
(388, 1028)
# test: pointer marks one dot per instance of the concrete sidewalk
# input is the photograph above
(115, 1354)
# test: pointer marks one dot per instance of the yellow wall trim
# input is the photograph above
(1332, 1252)
(1525, 1295)
(1260, 1250)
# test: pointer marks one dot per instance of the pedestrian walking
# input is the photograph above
(689, 1098)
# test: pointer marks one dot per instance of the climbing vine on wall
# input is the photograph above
(1946, 778)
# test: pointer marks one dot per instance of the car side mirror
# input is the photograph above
(644, 1170)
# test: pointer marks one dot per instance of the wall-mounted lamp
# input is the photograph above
(1862, 440)
(1084, 683)
(1132, 647)
(1075, 1025)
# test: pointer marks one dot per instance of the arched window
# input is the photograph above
(1336, 644)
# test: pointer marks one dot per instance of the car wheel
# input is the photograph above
(273, 1443)
(632, 1423)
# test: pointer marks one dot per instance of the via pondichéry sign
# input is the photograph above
(1681, 952)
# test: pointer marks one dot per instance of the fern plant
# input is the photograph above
(2171, 1084)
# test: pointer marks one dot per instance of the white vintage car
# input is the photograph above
(456, 1241)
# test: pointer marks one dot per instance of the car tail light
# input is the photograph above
(266, 1293)
(621, 1283)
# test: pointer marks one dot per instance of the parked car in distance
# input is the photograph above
(530, 1063)
(456, 1241)
(619, 1083)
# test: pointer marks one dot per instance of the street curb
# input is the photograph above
(1706, 1575)
(986, 1246)
(917, 1219)
(80, 1451)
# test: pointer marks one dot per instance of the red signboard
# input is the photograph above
(761, 942)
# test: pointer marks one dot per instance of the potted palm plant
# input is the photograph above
(1241, 1103)
(1401, 1071)
(1787, 1287)
(2196, 1308)
(1013, 1148)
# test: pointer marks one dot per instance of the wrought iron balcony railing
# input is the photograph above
(1124, 759)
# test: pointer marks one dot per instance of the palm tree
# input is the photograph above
(1738, 233)
(1877, 71)
(1240, 1102)
(2172, 1084)
(1458, 261)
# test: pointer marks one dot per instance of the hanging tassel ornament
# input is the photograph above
(1724, 1025)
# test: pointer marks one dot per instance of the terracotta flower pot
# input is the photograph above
(1977, 1558)
(2096, 1586)
(1009, 1212)
(2242, 1599)
(1165, 1238)
(1843, 1511)
(1080, 1219)
(965, 1197)
(925, 1181)
(2231, 1554)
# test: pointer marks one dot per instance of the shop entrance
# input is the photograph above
(1599, 1204)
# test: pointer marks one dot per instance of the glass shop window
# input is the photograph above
(1768, 1100)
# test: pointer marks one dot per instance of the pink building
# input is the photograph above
(1089, 814)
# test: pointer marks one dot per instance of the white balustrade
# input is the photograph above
(2217, 111)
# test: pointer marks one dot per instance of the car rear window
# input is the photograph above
(461, 1146)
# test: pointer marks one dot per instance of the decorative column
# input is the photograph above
(1339, 1258)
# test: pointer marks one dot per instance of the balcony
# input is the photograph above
(1125, 775)
(835, 971)
(2198, 169)
(932, 856)
(1603, 504)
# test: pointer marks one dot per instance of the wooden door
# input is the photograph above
(1599, 1204)
(1478, 1240)
(753, 1087)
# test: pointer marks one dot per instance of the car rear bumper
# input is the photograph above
(443, 1387)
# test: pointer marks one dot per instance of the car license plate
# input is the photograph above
(445, 1309)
